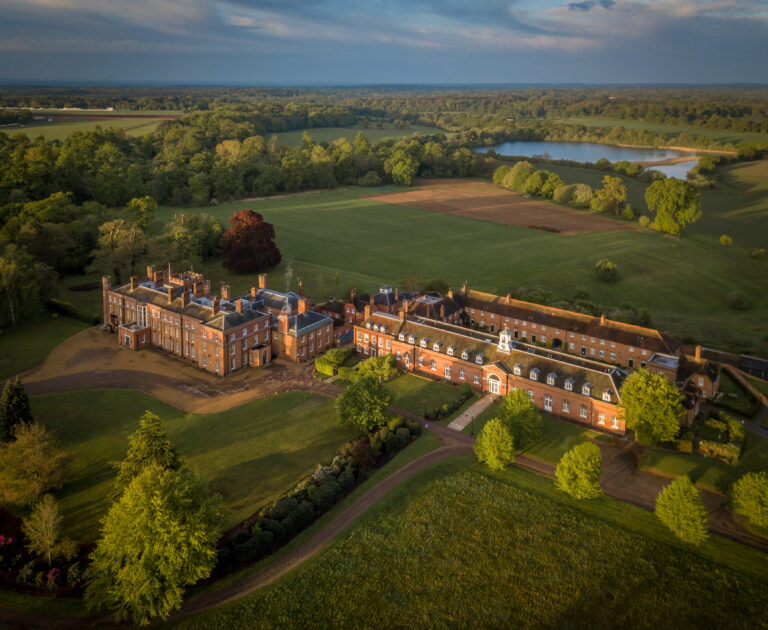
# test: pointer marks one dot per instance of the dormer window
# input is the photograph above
(569, 384)
(607, 395)
(450, 350)
(465, 355)
(424, 342)
(376, 327)
(401, 336)
(551, 378)
(412, 339)
(436, 346)
(534, 374)
(367, 324)
(518, 369)
(586, 389)
(480, 358)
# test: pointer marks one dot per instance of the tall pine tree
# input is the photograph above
(14, 409)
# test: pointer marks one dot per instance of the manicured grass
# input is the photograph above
(557, 437)
(42, 604)
(250, 454)
(293, 138)
(367, 243)
(760, 385)
(720, 135)
(469, 402)
(25, 347)
(60, 128)
(709, 473)
(409, 392)
(458, 546)
(735, 398)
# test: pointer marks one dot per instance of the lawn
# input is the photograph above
(709, 473)
(458, 546)
(735, 398)
(760, 385)
(60, 128)
(557, 437)
(293, 138)
(719, 135)
(250, 454)
(337, 240)
(25, 347)
(409, 392)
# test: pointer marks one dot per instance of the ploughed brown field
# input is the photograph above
(486, 201)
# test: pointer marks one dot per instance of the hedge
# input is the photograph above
(70, 310)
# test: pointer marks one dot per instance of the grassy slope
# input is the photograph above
(457, 546)
(683, 282)
(720, 135)
(709, 473)
(250, 454)
(410, 391)
(61, 128)
(25, 347)
(293, 138)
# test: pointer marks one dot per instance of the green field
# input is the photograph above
(250, 454)
(735, 398)
(329, 134)
(60, 128)
(458, 547)
(26, 346)
(709, 473)
(340, 234)
(411, 392)
(720, 135)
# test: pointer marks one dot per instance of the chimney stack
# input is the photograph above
(239, 306)
(134, 280)
(353, 295)
(262, 281)
(397, 294)
(401, 313)
(283, 322)
(151, 272)
(170, 294)
(464, 288)
(196, 289)
(215, 304)
(184, 298)
(225, 292)
(301, 288)
(405, 306)
(442, 312)
(302, 306)
(367, 312)
(450, 294)
(509, 298)
(697, 355)
(602, 319)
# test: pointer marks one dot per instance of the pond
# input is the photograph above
(592, 152)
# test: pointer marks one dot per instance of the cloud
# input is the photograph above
(588, 5)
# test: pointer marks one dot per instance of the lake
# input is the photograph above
(592, 152)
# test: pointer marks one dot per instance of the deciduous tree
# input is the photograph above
(675, 202)
(652, 405)
(750, 497)
(495, 445)
(382, 367)
(680, 508)
(157, 539)
(578, 472)
(42, 529)
(363, 405)
(520, 415)
(248, 245)
(142, 210)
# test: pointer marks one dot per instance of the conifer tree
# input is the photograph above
(14, 409)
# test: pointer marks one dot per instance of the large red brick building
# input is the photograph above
(177, 313)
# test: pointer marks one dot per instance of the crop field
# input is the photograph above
(720, 135)
(250, 454)
(485, 201)
(340, 239)
(293, 138)
(458, 546)
(61, 127)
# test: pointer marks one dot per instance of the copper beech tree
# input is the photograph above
(248, 245)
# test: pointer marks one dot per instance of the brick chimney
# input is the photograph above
(509, 298)
(225, 292)
(196, 289)
(405, 306)
(367, 312)
(401, 314)
(697, 354)
(602, 319)
(397, 294)
(302, 306)
(239, 306)
(442, 312)
(184, 298)
(464, 288)
(215, 305)
(262, 281)
(170, 294)
(450, 294)
(301, 288)
(151, 272)
(253, 293)
(134, 282)
(283, 322)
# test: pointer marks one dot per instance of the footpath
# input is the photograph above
(463, 419)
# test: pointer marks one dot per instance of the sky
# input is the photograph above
(320, 42)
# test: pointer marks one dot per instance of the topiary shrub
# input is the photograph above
(726, 241)
(606, 271)
(644, 221)
(404, 435)
(627, 213)
(392, 443)
(326, 494)
(277, 529)
(300, 517)
(259, 544)
(346, 479)
(377, 446)
(395, 422)
(283, 507)
(363, 455)
(414, 426)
